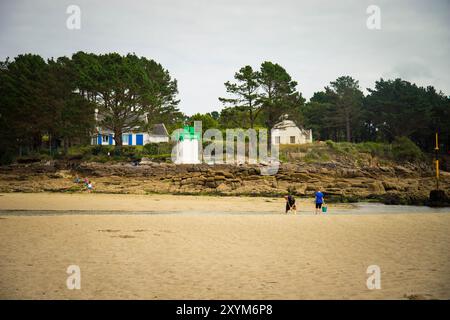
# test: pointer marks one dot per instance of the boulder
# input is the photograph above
(223, 187)
(388, 186)
(300, 176)
(438, 198)
(402, 171)
(376, 187)
(146, 161)
(211, 184)
(65, 174)
(228, 175)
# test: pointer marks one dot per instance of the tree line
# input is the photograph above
(56, 103)
(339, 112)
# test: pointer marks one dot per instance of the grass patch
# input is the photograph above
(401, 150)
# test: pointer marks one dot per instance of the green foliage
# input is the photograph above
(375, 149)
(403, 149)
(23, 101)
(56, 99)
(233, 117)
(215, 115)
(378, 149)
(260, 97)
(158, 148)
(151, 148)
(305, 152)
(164, 157)
(279, 95)
(393, 108)
(103, 154)
(33, 157)
(128, 91)
(82, 150)
(131, 152)
(245, 93)
(336, 112)
(208, 122)
(317, 155)
(399, 108)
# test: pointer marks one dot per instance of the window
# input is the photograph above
(105, 138)
(277, 140)
(292, 139)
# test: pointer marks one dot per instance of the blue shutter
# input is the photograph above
(139, 140)
(110, 139)
(130, 139)
(99, 139)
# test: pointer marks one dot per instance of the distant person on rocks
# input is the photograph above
(319, 201)
(290, 204)
(90, 186)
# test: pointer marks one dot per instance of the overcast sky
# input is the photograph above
(203, 43)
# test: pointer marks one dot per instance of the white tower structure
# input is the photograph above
(187, 147)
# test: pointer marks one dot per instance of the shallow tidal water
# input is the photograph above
(352, 209)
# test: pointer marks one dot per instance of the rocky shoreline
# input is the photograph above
(396, 184)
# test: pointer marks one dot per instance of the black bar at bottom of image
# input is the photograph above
(223, 309)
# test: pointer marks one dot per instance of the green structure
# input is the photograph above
(188, 134)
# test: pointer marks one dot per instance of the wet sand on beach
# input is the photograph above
(147, 203)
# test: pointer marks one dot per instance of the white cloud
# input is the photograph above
(203, 43)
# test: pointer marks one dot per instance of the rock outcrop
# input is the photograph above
(341, 182)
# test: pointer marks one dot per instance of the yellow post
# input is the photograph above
(437, 144)
(436, 149)
(437, 169)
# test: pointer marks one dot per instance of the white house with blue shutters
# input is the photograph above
(105, 137)
(157, 135)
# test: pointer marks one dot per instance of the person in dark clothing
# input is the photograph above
(290, 204)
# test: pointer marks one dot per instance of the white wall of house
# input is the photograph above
(125, 140)
(155, 139)
(291, 135)
(105, 138)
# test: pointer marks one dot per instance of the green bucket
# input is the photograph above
(324, 209)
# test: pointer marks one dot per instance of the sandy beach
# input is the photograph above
(148, 203)
(190, 253)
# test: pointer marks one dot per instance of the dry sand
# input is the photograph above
(216, 256)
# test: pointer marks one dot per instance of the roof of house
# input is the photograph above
(284, 124)
(159, 129)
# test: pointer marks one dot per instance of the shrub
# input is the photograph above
(6, 157)
(317, 155)
(158, 148)
(100, 158)
(96, 150)
(130, 153)
(151, 148)
(329, 143)
(377, 149)
(403, 149)
(161, 157)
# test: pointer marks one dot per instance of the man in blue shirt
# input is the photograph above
(319, 201)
